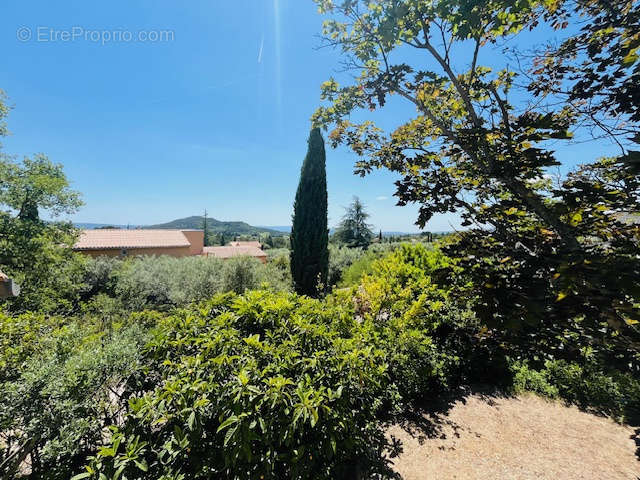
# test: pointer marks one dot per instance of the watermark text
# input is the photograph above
(44, 34)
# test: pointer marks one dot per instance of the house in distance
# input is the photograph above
(121, 243)
(115, 242)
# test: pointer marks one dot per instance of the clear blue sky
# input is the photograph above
(215, 115)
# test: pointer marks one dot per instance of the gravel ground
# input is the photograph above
(516, 438)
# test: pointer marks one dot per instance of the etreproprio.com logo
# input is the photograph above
(44, 34)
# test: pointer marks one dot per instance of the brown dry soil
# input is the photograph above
(521, 438)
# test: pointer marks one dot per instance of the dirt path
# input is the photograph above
(517, 438)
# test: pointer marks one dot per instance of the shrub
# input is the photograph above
(275, 254)
(157, 282)
(526, 379)
(340, 258)
(593, 386)
(354, 273)
(256, 386)
(430, 342)
(588, 384)
(60, 379)
(166, 282)
(240, 274)
(100, 275)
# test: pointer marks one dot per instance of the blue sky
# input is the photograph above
(215, 115)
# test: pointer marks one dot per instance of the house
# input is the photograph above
(246, 244)
(230, 251)
(120, 242)
(7, 287)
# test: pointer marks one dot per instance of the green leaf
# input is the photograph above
(631, 58)
(229, 421)
(229, 434)
(191, 420)
(142, 465)
(81, 475)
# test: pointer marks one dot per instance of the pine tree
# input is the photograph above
(310, 235)
(354, 231)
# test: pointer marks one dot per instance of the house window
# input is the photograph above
(124, 252)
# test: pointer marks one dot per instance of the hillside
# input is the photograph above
(216, 226)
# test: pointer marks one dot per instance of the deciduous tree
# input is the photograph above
(34, 251)
(543, 257)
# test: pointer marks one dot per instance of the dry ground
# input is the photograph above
(516, 438)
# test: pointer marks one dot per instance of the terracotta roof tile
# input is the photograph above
(246, 244)
(115, 238)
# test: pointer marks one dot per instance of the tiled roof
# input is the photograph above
(231, 251)
(3, 277)
(246, 244)
(101, 239)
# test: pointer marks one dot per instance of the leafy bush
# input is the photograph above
(156, 282)
(364, 264)
(340, 258)
(257, 386)
(165, 282)
(589, 385)
(275, 254)
(429, 340)
(246, 273)
(526, 379)
(100, 275)
(60, 380)
(343, 257)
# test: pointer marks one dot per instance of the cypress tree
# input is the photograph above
(206, 229)
(310, 234)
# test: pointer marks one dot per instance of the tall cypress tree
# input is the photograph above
(310, 235)
(206, 229)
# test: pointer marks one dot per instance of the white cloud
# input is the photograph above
(381, 197)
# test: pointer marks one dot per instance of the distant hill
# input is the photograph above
(279, 228)
(93, 226)
(216, 226)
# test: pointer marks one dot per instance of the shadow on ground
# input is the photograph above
(482, 432)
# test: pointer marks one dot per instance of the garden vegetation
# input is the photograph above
(196, 368)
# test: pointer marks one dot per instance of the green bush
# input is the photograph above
(353, 274)
(340, 258)
(100, 275)
(161, 282)
(589, 385)
(256, 386)
(60, 379)
(246, 273)
(430, 342)
(526, 379)
(167, 282)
